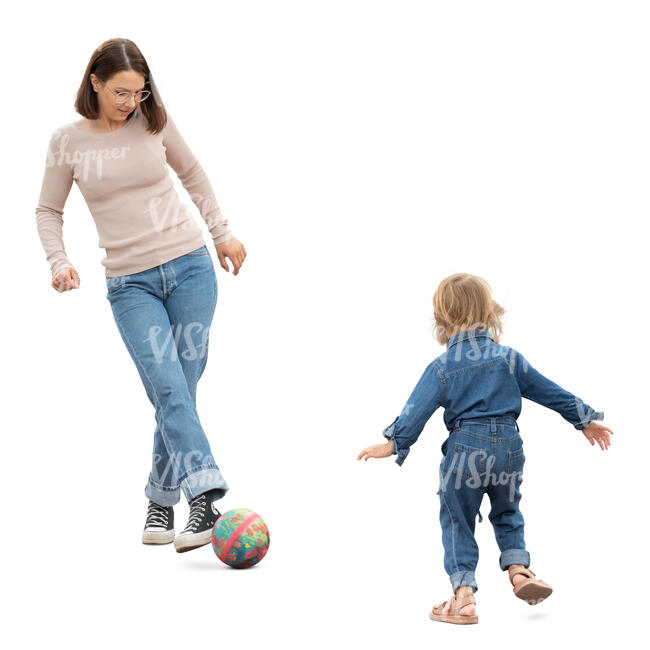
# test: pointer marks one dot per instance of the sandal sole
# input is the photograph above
(458, 620)
(533, 592)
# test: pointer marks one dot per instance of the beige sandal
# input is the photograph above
(453, 614)
(533, 590)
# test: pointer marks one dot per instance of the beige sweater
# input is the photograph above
(124, 179)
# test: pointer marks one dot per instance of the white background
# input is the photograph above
(362, 151)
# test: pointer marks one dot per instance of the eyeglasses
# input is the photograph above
(122, 96)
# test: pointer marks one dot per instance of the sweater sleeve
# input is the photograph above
(195, 181)
(55, 187)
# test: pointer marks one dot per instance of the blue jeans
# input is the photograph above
(164, 315)
(481, 455)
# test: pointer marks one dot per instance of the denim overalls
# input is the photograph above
(480, 383)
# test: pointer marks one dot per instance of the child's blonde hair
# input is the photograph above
(462, 302)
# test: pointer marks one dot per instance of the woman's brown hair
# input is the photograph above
(462, 302)
(113, 56)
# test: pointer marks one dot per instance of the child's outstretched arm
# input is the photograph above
(538, 388)
(405, 429)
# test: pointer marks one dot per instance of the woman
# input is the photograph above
(160, 278)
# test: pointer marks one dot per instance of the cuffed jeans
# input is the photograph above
(481, 455)
(164, 315)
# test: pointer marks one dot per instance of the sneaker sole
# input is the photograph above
(158, 537)
(189, 542)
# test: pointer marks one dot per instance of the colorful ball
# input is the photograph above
(240, 538)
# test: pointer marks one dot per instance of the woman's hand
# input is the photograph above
(377, 451)
(66, 279)
(599, 433)
(234, 250)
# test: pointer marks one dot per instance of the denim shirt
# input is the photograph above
(476, 377)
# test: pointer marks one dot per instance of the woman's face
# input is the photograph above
(125, 81)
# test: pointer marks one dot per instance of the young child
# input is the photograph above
(480, 383)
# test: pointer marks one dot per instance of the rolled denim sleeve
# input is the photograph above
(537, 388)
(405, 429)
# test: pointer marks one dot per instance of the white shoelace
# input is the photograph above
(156, 516)
(196, 514)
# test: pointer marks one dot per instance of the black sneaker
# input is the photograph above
(159, 527)
(203, 516)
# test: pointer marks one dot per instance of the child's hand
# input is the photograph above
(377, 451)
(599, 433)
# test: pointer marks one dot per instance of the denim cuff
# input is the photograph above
(203, 479)
(389, 433)
(592, 415)
(163, 496)
(514, 556)
(400, 457)
(463, 579)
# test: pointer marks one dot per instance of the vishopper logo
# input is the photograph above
(475, 475)
(174, 215)
(189, 332)
(169, 216)
(207, 205)
(408, 407)
(179, 464)
(117, 281)
(85, 160)
(468, 345)
(473, 348)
